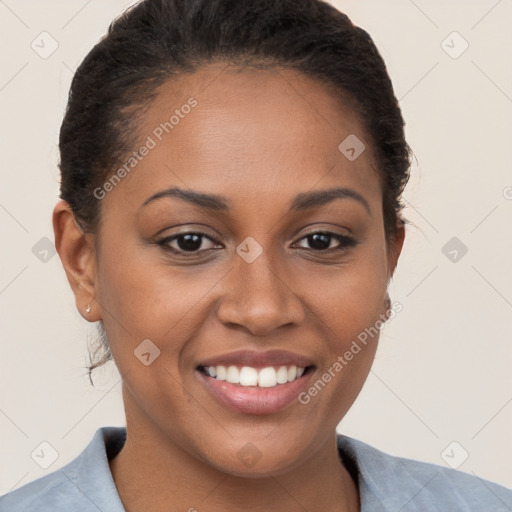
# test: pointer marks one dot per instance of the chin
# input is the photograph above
(255, 459)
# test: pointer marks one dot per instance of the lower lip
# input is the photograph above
(253, 399)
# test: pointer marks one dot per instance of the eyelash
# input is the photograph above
(345, 242)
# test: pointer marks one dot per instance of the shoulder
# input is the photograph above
(84, 484)
(55, 491)
(51, 492)
(394, 483)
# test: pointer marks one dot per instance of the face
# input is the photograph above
(257, 270)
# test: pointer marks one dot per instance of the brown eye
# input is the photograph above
(321, 241)
(191, 242)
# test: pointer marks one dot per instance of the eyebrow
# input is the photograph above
(303, 201)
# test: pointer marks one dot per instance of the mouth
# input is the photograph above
(249, 376)
(255, 390)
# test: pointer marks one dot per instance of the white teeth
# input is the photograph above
(267, 377)
(233, 375)
(282, 375)
(221, 372)
(248, 376)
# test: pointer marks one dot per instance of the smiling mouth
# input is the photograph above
(248, 376)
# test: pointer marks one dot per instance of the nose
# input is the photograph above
(259, 298)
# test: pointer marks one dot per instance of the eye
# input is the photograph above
(193, 242)
(189, 242)
(320, 241)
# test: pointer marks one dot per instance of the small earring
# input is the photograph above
(387, 304)
(88, 308)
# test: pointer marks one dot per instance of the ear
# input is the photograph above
(78, 255)
(395, 247)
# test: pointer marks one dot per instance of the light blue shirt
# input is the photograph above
(386, 483)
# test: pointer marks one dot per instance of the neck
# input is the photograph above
(152, 472)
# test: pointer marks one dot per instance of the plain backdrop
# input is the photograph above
(441, 387)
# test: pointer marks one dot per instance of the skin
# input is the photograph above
(259, 138)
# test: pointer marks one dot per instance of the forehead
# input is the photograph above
(245, 132)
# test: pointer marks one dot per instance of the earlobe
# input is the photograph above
(77, 253)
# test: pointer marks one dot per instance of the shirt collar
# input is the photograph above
(93, 468)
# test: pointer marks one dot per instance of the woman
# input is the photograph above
(231, 215)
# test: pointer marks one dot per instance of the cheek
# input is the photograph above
(350, 310)
(352, 295)
(143, 297)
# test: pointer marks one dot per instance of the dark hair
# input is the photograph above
(155, 40)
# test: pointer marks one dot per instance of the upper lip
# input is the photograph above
(258, 359)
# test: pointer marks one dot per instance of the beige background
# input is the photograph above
(442, 372)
